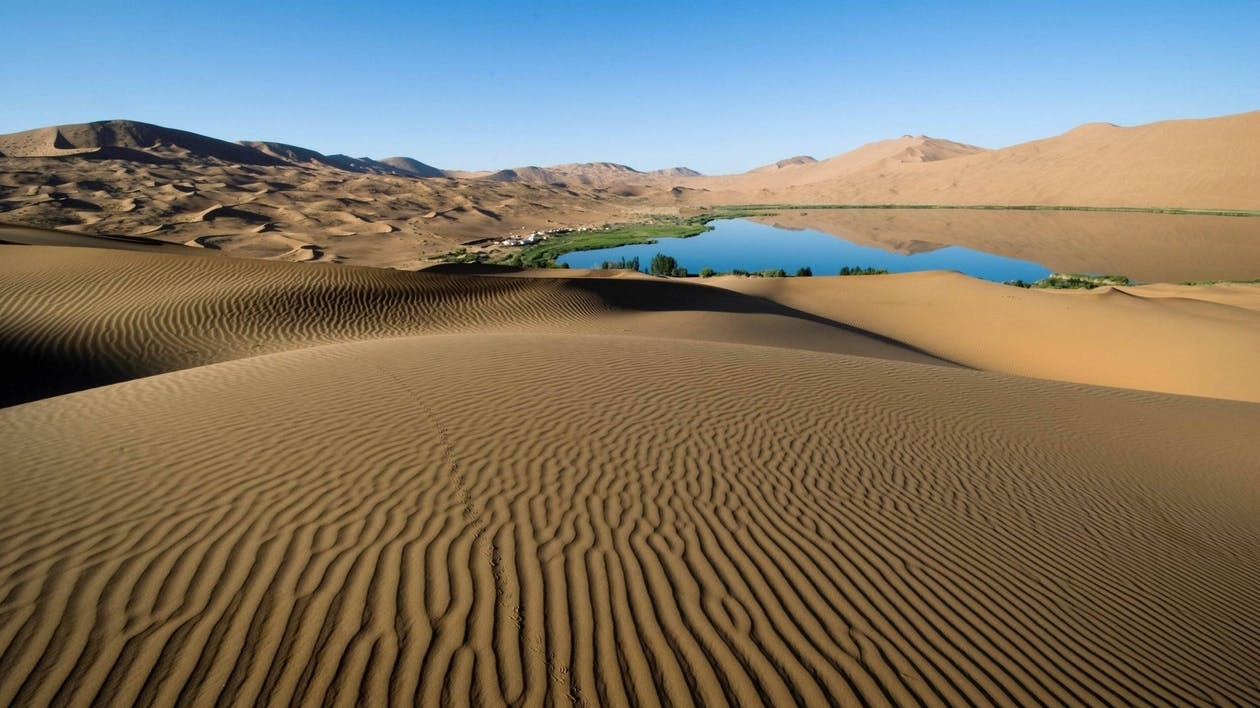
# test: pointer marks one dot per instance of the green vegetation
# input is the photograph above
(545, 253)
(461, 255)
(1072, 281)
(805, 272)
(1076, 281)
(666, 265)
(623, 264)
(768, 273)
(707, 272)
(857, 270)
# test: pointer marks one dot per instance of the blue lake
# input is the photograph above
(747, 245)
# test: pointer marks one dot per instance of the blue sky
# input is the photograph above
(720, 87)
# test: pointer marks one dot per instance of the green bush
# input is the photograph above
(623, 264)
(1079, 281)
(663, 265)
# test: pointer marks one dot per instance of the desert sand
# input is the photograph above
(237, 481)
(269, 200)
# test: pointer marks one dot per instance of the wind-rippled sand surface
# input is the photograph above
(544, 495)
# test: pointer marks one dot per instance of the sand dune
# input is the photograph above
(135, 179)
(127, 139)
(370, 219)
(804, 170)
(1208, 164)
(413, 166)
(603, 175)
(79, 317)
(508, 518)
(1192, 340)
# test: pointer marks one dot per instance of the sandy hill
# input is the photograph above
(413, 166)
(676, 172)
(1207, 163)
(267, 199)
(369, 486)
(804, 170)
(143, 142)
(361, 165)
(906, 150)
(126, 139)
(788, 162)
(591, 174)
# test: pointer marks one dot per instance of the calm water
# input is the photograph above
(746, 245)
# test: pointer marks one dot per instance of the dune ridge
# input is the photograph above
(78, 317)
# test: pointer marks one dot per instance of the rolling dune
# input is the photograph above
(72, 318)
(1189, 340)
(616, 520)
(298, 483)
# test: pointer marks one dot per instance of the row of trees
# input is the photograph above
(668, 265)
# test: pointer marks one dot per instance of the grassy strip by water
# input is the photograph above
(651, 228)
(545, 253)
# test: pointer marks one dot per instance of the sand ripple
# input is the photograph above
(616, 520)
(72, 318)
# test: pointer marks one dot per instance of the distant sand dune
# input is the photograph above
(530, 518)
(1206, 163)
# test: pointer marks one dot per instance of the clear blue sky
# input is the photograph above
(718, 86)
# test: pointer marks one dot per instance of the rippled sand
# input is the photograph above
(315, 484)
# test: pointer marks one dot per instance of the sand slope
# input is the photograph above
(412, 520)
(1192, 340)
(795, 172)
(71, 318)
(335, 485)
